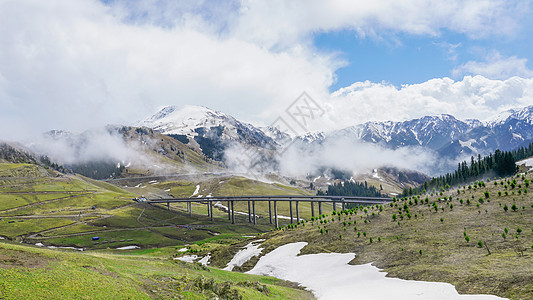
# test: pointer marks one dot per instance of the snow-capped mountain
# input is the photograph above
(447, 135)
(212, 131)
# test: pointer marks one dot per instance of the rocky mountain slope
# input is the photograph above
(445, 134)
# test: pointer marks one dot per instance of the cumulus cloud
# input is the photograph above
(71, 65)
(278, 23)
(495, 67)
(471, 97)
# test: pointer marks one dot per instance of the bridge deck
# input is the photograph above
(334, 200)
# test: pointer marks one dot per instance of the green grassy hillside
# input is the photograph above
(42, 206)
(444, 238)
(36, 273)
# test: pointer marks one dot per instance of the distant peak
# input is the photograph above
(522, 113)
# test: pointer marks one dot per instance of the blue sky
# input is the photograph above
(407, 59)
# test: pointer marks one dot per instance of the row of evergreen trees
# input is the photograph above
(351, 189)
(499, 163)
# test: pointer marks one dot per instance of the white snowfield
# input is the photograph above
(329, 276)
(528, 162)
(245, 254)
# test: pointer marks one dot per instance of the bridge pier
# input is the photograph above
(334, 206)
(229, 211)
(211, 208)
(189, 208)
(249, 213)
(343, 206)
(312, 209)
(276, 213)
(232, 213)
(290, 210)
(168, 205)
(320, 208)
(270, 211)
(253, 211)
(297, 212)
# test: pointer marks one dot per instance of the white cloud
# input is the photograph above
(472, 97)
(495, 67)
(278, 22)
(74, 65)
(79, 64)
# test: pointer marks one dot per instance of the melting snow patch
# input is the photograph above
(167, 190)
(205, 260)
(128, 247)
(244, 255)
(71, 248)
(528, 162)
(196, 191)
(182, 250)
(138, 185)
(39, 245)
(187, 258)
(329, 276)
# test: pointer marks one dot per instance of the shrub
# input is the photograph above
(371, 240)
(467, 238)
(518, 230)
(441, 220)
(514, 207)
(364, 233)
(506, 230)
(358, 234)
(505, 208)
(420, 251)
(504, 236)
(480, 244)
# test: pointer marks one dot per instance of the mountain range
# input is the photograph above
(446, 135)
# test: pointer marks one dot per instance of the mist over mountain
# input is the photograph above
(432, 143)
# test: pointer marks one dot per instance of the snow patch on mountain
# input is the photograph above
(184, 121)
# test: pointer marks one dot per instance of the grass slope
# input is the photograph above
(38, 206)
(432, 244)
(36, 273)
